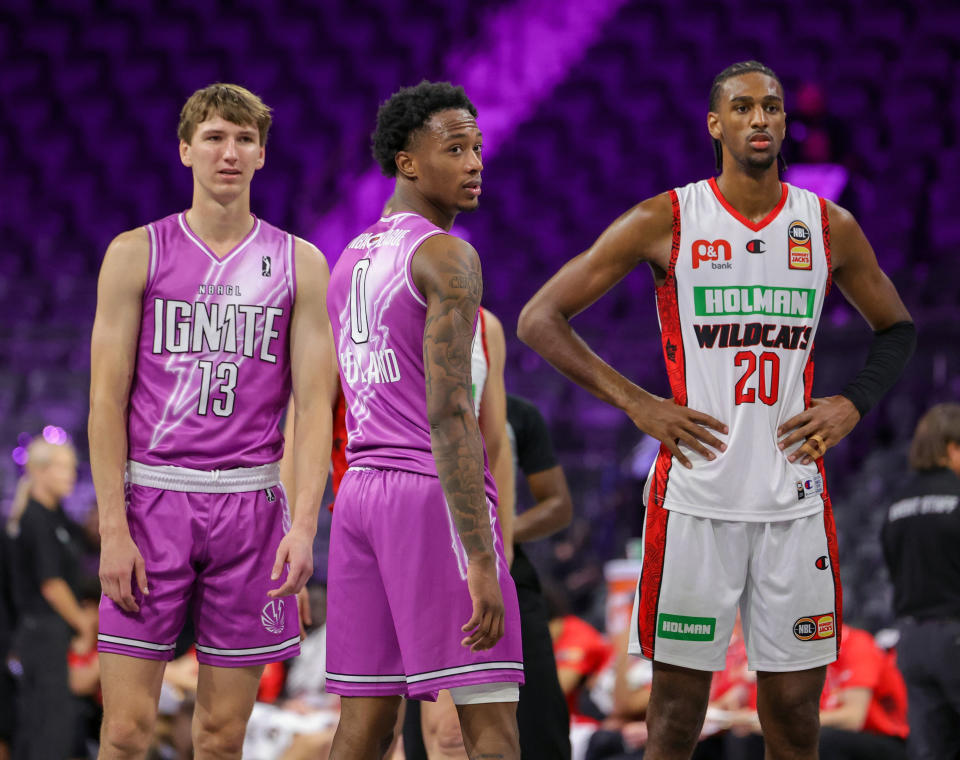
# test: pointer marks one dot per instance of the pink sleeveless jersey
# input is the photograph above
(378, 317)
(213, 365)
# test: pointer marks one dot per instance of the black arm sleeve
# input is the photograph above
(889, 352)
(534, 448)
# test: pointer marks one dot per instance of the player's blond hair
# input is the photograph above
(234, 103)
(938, 427)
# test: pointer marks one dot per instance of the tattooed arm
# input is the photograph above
(446, 270)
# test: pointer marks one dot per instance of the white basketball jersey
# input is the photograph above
(479, 363)
(738, 313)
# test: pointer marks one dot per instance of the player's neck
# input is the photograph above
(406, 199)
(220, 225)
(753, 195)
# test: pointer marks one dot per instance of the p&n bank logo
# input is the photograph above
(704, 250)
(271, 616)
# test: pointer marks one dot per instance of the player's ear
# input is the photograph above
(185, 153)
(263, 157)
(713, 125)
(406, 165)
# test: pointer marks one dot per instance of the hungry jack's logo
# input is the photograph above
(799, 250)
(815, 627)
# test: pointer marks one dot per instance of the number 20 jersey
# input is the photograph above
(738, 312)
(213, 366)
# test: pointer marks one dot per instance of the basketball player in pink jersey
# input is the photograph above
(205, 321)
(738, 513)
(420, 594)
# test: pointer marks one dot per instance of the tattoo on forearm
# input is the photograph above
(454, 431)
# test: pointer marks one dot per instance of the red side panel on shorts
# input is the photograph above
(651, 576)
(654, 548)
(830, 528)
(667, 306)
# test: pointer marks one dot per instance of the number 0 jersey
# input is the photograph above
(378, 317)
(213, 365)
(738, 313)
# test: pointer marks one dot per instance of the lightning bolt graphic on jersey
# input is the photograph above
(379, 339)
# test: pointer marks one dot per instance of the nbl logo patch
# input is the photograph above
(265, 266)
(814, 627)
(798, 246)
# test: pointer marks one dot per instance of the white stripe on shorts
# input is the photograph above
(184, 479)
(365, 679)
(252, 650)
(431, 674)
(134, 643)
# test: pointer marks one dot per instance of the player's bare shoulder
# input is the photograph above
(311, 265)
(126, 264)
(445, 264)
(847, 240)
(651, 227)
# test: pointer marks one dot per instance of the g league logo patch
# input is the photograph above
(271, 616)
(266, 268)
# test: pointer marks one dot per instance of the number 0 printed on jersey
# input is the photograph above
(359, 324)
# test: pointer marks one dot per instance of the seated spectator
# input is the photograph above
(582, 652)
(299, 725)
(863, 709)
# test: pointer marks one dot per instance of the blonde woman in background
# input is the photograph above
(46, 552)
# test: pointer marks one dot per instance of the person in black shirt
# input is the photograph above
(542, 711)
(7, 683)
(47, 550)
(921, 536)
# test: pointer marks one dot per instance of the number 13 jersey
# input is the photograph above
(213, 365)
(738, 312)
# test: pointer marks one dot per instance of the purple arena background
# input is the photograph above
(587, 108)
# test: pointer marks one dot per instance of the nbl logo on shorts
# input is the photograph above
(271, 616)
(265, 266)
(815, 627)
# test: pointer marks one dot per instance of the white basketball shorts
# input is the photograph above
(697, 572)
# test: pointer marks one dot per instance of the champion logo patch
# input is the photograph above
(822, 563)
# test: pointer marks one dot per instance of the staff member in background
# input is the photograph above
(920, 539)
(47, 550)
